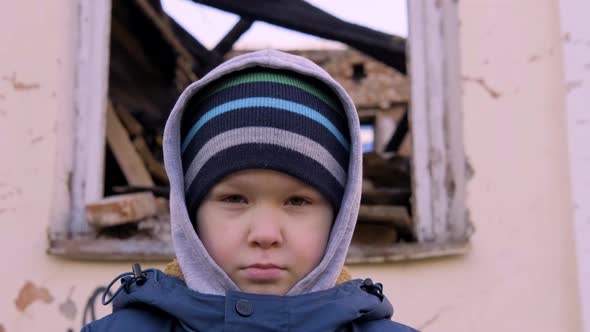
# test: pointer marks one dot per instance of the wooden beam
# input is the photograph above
(131, 124)
(301, 16)
(127, 157)
(226, 44)
(399, 134)
(185, 59)
(154, 167)
(216, 56)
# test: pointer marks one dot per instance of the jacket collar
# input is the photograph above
(324, 310)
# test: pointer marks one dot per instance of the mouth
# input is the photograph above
(263, 272)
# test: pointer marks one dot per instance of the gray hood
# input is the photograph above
(201, 272)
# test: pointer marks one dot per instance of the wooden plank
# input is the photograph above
(129, 122)
(391, 172)
(121, 209)
(439, 173)
(91, 99)
(154, 167)
(385, 196)
(396, 216)
(127, 157)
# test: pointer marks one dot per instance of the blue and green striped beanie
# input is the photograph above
(263, 118)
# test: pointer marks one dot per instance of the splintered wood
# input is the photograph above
(121, 209)
(127, 157)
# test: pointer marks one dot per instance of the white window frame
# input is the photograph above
(439, 167)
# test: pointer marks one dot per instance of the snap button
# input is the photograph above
(244, 308)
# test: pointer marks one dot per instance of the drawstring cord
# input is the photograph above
(137, 276)
(373, 288)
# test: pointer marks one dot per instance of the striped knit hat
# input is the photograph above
(264, 119)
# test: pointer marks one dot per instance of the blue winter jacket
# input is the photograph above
(164, 303)
(208, 299)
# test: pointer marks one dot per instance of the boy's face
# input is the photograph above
(265, 229)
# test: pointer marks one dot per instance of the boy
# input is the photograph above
(264, 159)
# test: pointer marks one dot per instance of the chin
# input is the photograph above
(265, 290)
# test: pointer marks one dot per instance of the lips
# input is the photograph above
(264, 266)
(263, 272)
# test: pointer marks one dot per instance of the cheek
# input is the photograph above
(313, 239)
(215, 236)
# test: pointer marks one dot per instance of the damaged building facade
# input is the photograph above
(519, 244)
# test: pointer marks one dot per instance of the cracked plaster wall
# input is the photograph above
(519, 276)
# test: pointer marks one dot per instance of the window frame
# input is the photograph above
(439, 164)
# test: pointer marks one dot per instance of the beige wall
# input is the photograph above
(520, 274)
(37, 80)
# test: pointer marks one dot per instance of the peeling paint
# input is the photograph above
(481, 82)
(29, 294)
(68, 307)
(534, 58)
(37, 139)
(572, 85)
(567, 37)
(18, 85)
(10, 193)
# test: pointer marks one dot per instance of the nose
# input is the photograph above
(265, 229)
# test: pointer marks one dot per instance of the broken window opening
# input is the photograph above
(152, 59)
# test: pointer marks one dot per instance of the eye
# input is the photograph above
(234, 199)
(298, 201)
